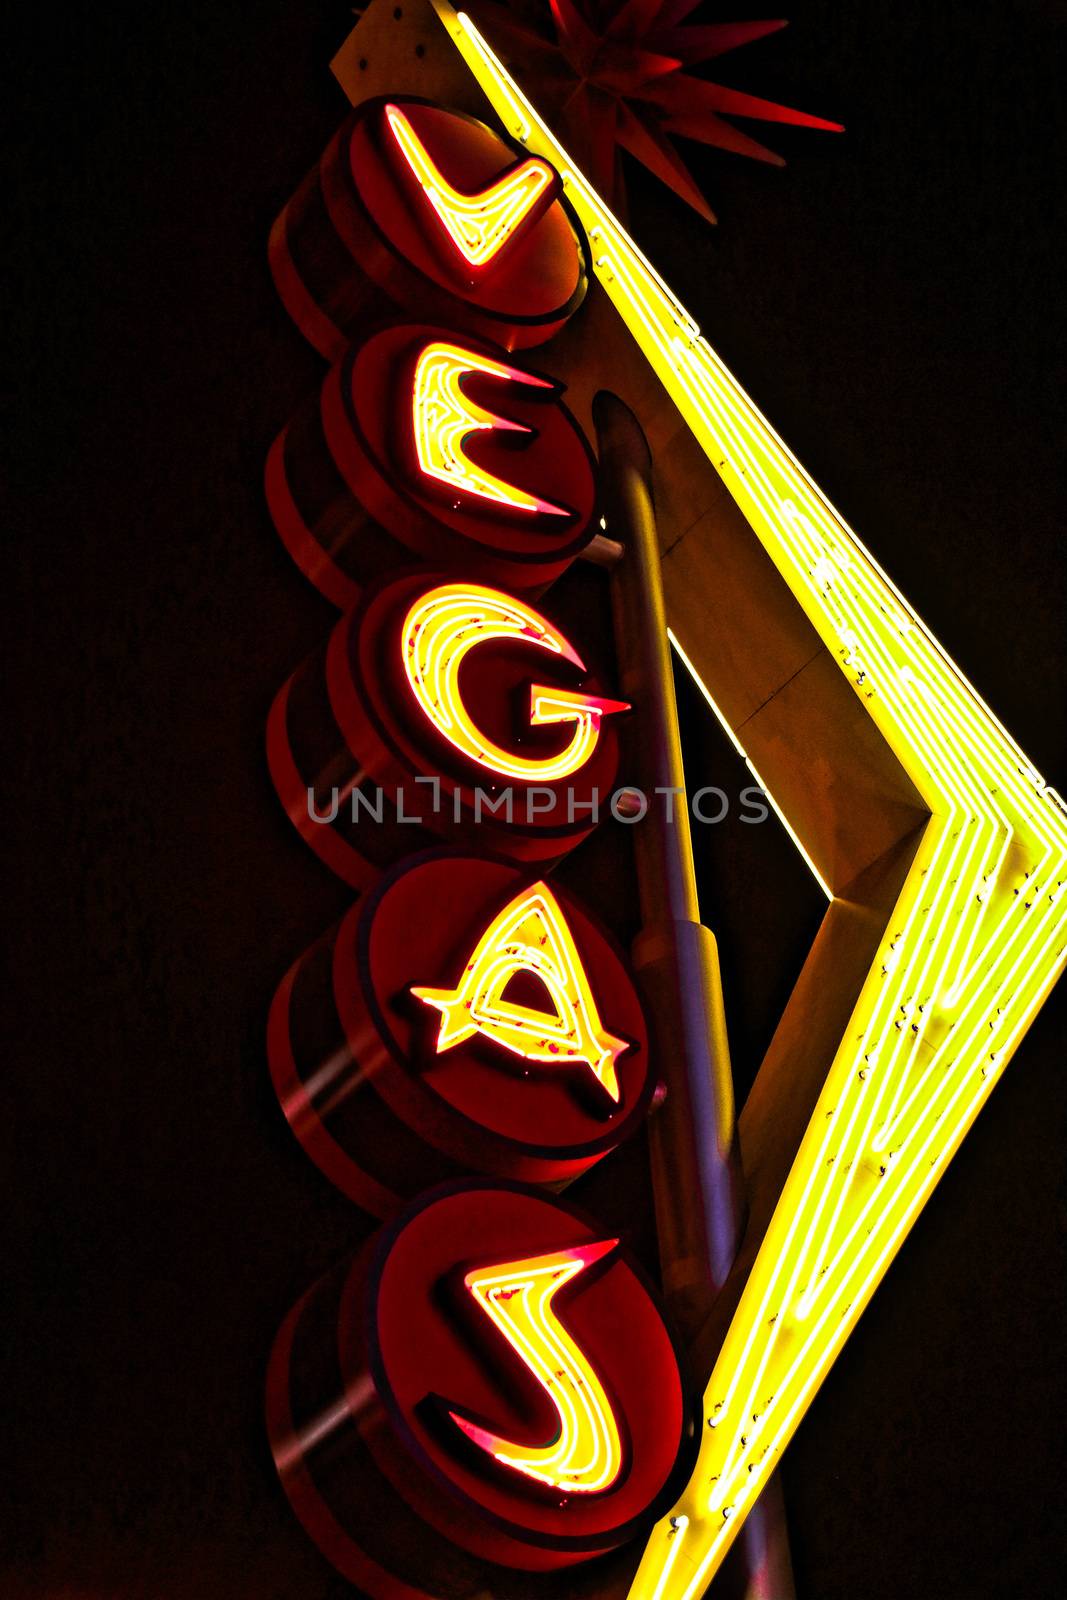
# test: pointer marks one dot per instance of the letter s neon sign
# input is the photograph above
(585, 1456)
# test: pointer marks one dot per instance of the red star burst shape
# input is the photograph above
(610, 75)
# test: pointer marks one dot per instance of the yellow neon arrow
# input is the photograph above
(443, 419)
(439, 632)
(481, 224)
(529, 935)
(975, 942)
(585, 1456)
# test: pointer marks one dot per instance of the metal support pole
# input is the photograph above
(696, 1171)
(697, 1177)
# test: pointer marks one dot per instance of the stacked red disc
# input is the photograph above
(362, 233)
(367, 775)
(377, 1372)
(350, 500)
(385, 1107)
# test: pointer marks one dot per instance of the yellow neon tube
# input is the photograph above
(479, 225)
(440, 631)
(975, 942)
(443, 418)
(529, 935)
(585, 1457)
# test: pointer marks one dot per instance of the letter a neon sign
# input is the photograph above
(529, 935)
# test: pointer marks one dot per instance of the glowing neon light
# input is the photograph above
(443, 419)
(585, 1456)
(529, 935)
(974, 944)
(481, 224)
(439, 632)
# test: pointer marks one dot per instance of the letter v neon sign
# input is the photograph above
(479, 225)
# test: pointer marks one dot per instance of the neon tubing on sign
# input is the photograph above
(585, 1457)
(439, 632)
(529, 935)
(443, 419)
(973, 946)
(479, 225)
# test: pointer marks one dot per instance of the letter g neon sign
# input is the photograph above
(443, 627)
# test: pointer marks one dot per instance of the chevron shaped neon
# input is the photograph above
(479, 225)
(973, 946)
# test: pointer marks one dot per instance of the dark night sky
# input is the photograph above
(892, 301)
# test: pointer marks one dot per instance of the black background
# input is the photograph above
(892, 301)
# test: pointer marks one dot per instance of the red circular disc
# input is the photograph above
(364, 225)
(529, 287)
(359, 723)
(349, 497)
(377, 1370)
(357, 1060)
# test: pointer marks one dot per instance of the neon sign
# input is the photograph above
(379, 468)
(404, 1389)
(443, 627)
(501, 258)
(479, 225)
(444, 417)
(585, 1454)
(536, 1083)
(422, 676)
(973, 943)
(529, 935)
(382, 708)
